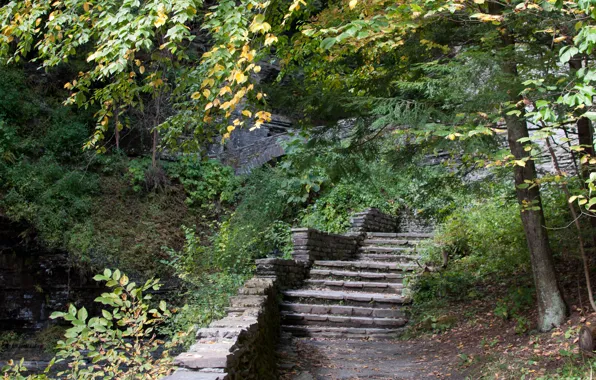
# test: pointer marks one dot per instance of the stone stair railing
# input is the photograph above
(242, 344)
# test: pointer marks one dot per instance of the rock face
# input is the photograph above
(35, 282)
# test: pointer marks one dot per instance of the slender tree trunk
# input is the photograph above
(117, 130)
(552, 310)
(155, 134)
(585, 134)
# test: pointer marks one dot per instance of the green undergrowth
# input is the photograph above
(485, 244)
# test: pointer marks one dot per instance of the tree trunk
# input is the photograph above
(154, 149)
(117, 130)
(155, 134)
(587, 339)
(585, 134)
(552, 310)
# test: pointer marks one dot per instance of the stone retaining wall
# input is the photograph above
(290, 273)
(242, 344)
(311, 245)
(410, 220)
(373, 220)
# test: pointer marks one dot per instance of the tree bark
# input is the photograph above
(552, 310)
(585, 134)
(117, 130)
(155, 134)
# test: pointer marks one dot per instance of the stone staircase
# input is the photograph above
(362, 297)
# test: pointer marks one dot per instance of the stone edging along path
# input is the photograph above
(242, 344)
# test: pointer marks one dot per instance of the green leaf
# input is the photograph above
(57, 314)
(567, 53)
(82, 314)
(328, 43)
(107, 315)
(590, 115)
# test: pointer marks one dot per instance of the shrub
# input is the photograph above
(121, 343)
(483, 240)
(205, 287)
(205, 182)
(48, 195)
(65, 136)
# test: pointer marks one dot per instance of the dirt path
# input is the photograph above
(309, 359)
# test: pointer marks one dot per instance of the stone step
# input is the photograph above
(232, 321)
(354, 311)
(392, 243)
(215, 347)
(332, 274)
(299, 319)
(369, 266)
(343, 332)
(386, 257)
(378, 249)
(203, 359)
(217, 334)
(398, 235)
(356, 286)
(185, 374)
(329, 297)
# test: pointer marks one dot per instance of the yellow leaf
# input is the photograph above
(230, 128)
(206, 93)
(142, 69)
(208, 106)
(259, 96)
(520, 163)
(257, 69)
(236, 122)
(195, 95)
(161, 16)
(479, 1)
(208, 82)
(240, 77)
(247, 113)
(86, 7)
(270, 39)
(353, 4)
